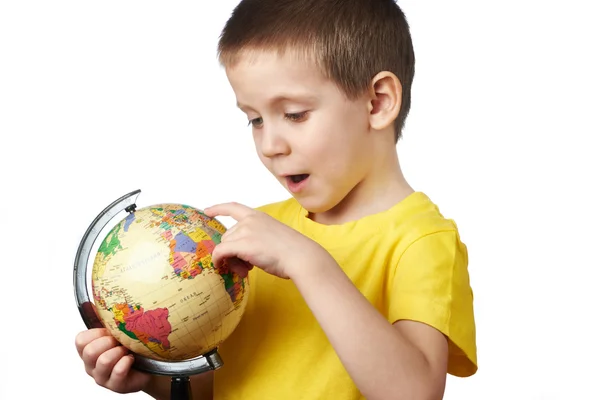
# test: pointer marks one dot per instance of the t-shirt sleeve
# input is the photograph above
(431, 284)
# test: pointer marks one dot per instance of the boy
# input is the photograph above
(361, 288)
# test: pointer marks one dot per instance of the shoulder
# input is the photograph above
(427, 248)
(418, 219)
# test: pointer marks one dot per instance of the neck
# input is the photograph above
(382, 188)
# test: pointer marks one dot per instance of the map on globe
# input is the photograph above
(155, 286)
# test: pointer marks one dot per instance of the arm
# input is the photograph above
(201, 386)
(406, 360)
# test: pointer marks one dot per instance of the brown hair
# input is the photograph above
(351, 40)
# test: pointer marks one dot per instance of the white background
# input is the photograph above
(100, 98)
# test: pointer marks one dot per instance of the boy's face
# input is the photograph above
(312, 138)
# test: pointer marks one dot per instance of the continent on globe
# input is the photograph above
(152, 327)
(112, 244)
(235, 287)
(107, 248)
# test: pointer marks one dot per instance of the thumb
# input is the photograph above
(238, 266)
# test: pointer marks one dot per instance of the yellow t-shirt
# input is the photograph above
(408, 262)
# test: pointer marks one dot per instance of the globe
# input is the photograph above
(156, 289)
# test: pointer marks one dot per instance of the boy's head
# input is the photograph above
(350, 40)
(318, 79)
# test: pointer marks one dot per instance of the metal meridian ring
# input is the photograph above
(193, 366)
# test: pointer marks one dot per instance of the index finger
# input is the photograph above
(235, 210)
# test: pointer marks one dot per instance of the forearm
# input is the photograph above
(381, 362)
(201, 386)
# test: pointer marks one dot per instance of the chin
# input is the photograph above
(315, 205)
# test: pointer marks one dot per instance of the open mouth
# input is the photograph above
(298, 178)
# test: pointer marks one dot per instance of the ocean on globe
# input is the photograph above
(156, 289)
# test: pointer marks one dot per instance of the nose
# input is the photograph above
(273, 143)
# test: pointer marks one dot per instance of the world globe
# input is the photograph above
(156, 289)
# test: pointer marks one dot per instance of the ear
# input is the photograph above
(385, 100)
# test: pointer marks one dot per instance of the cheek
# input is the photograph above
(345, 152)
(320, 144)
(334, 154)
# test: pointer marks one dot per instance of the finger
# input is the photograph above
(120, 376)
(234, 210)
(106, 362)
(229, 233)
(86, 337)
(124, 379)
(239, 270)
(235, 232)
(92, 351)
(225, 251)
(122, 367)
(226, 254)
(238, 267)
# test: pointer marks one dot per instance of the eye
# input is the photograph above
(256, 122)
(297, 117)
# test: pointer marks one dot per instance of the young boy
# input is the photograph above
(361, 288)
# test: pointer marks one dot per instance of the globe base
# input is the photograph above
(180, 388)
(194, 366)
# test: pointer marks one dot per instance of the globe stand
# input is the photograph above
(179, 371)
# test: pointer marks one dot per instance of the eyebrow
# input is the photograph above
(283, 98)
